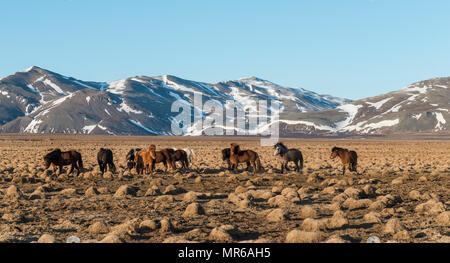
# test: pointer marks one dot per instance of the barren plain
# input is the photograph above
(400, 194)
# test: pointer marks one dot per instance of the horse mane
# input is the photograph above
(337, 149)
(283, 147)
(234, 148)
(53, 155)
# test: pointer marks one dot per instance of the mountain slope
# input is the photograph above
(28, 90)
(40, 101)
(420, 107)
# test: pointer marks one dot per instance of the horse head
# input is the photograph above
(152, 150)
(234, 148)
(334, 152)
(277, 149)
(51, 157)
(280, 149)
(225, 154)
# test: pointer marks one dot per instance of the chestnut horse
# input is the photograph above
(237, 156)
(144, 161)
(57, 158)
(226, 153)
(348, 158)
(162, 156)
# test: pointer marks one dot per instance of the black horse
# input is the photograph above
(130, 158)
(226, 153)
(105, 159)
(289, 155)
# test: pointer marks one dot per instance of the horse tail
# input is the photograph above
(301, 161)
(190, 155)
(80, 162)
(258, 163)
(113, 167)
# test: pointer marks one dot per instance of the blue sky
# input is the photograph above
(353, 49)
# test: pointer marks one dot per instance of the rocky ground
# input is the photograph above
(401, 194)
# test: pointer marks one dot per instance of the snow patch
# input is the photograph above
(84, 85)
(117, 87)
(138, 124)
(417, 116)
(88, 128)
(125, 108)
(351, 111)
(54, 86)
(33, 127)
(421, 90)
(440, 121)
(378, 105)
(30, 86)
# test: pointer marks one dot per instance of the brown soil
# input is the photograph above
(401, 193)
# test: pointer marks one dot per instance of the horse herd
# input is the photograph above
(145, 160)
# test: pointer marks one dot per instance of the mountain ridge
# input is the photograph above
(37, 100)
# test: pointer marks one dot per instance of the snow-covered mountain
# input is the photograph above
(420, 107)
(40, 101)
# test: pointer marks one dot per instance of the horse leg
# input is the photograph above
(174, 165)
(72, 168)
(354, 168)
(254, 166)
(297, 168)
(343, 170)
(250, 164)
(54, 167)
(60, 169)
(287, 167)
(152, 168)
(282, 168)
(235, 166)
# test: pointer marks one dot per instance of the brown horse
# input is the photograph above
(348, 158)
(105, 159)
(226, 153)
(179, 156)
(143, 160)
(237, 156)
(162, 156)
(57, 158)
